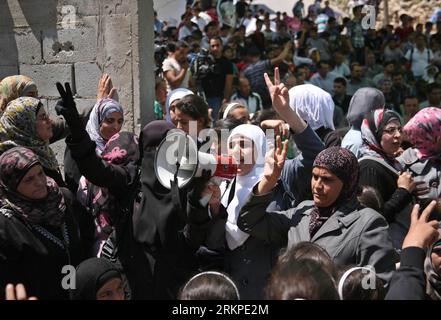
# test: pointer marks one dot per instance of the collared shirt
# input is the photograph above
(253, 102)
(326, 84)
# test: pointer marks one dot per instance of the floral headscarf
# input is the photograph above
(14, 164)
(423, 130)
(18, 128)
(121, 149)
(102, 109)
(14, 87)
(372, 131)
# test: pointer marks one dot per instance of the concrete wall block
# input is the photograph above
(25, 13)
(92, 7)
(6, 71)
(87, 76)
(69, 45)
(8, 49)
(82, 104)
(45, 76)
(30, 46)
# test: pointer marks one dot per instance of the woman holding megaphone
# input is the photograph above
(248, 145)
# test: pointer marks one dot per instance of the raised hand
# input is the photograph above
(278, 91)
(422, 232)
(66, 106)
(279, 126)
(68, 109)
(280, 99)
(105, 88)
(274, 162)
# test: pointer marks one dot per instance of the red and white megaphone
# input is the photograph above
(178, 157)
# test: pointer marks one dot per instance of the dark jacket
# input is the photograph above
(28, 257)
(72, 174)
(166, 231)
(351, 236)
(428, 171)
(409, 281)
(375, 174)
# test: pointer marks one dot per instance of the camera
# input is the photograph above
(204, 65)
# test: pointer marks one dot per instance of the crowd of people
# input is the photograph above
(342, 202)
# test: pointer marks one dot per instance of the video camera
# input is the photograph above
(204, 65)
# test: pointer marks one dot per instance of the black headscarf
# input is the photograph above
(160, 220)
(91, 275)
(148, 222)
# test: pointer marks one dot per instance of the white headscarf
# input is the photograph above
(172, 97)
(314, 105)
(244, 184)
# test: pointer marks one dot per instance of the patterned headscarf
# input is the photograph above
(14, 87)
(18, 128)
(344, 165)
(14, 164)
(102, 109)
(122, 149)
(372, 131)
(423, 130)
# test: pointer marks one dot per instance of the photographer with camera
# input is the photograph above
(214, 76)
(175, 67)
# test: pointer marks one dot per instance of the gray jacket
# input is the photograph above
(351, 236)
(428, 171)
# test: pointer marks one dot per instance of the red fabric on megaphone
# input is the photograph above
(226, 167)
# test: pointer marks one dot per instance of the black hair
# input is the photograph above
(370, 197)
(195, 107)
(340, 80)
(431, 87)
(321, 62)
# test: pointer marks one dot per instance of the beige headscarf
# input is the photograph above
(14, 87)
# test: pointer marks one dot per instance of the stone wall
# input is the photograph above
(76, 41)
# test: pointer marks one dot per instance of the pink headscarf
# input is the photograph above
(423, 130)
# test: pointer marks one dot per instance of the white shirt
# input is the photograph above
(342, 70)
(326, 84)
(172, 64)
(353, 141)
(419, 61)
(200, 22)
